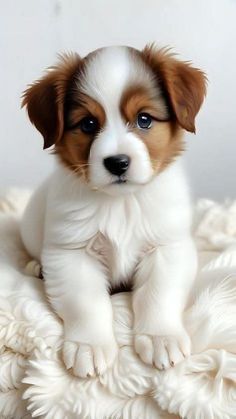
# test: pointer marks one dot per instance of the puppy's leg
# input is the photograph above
(162, 285)
(77, 288)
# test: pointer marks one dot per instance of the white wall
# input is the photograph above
(204, 31)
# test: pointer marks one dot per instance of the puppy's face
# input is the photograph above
(116, 117)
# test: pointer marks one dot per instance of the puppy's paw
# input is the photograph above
(89, 360)
(163, 351)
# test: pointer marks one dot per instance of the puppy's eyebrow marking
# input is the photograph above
(138, 98)
(85, 106)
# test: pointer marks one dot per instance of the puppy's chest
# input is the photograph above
(120, 244)
(119, 259)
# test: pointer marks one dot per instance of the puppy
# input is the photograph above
(117, 208)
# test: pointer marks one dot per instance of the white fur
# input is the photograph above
(33, 379)
(90, 239)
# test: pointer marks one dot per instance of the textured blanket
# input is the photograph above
(34, 381)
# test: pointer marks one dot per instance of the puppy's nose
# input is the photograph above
(118, 164)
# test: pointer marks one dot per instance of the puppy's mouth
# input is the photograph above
(120, 180)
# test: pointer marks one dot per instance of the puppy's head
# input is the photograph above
(116, 117)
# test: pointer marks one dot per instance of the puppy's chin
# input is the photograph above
(119, 187)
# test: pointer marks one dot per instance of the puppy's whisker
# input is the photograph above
(80, 164)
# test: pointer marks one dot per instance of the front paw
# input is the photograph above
(89, 360)
(163, 351)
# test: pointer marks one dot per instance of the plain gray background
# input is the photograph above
(203, 31)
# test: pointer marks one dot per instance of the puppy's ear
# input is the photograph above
(184, 85)
(44, 99)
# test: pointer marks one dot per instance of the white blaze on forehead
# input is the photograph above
(110, 71)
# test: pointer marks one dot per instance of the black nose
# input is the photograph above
(117, 165)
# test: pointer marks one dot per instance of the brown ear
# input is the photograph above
(44, 99)
(184, 85)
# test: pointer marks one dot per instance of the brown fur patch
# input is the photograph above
(54, 103)
(140, 99)
(184, 85)
(44, 99)
(164, 139)
(74, 146)
(86, 106)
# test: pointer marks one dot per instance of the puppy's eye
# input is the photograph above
(89, 125)
(144, 120)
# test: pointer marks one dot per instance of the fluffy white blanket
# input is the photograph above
(34, 382)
